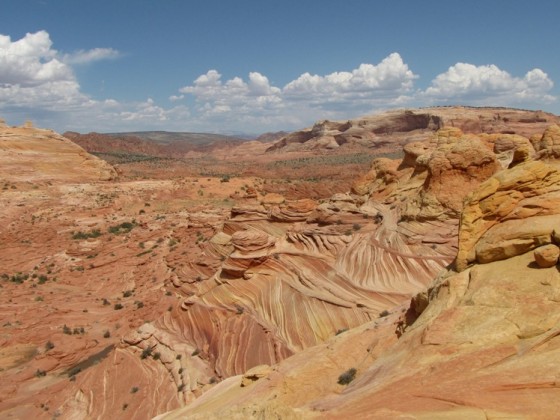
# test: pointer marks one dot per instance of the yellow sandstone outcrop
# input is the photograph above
(509, 214)
(32, 154)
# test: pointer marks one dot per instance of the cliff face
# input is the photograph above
(135, 298)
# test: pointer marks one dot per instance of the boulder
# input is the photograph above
(458, 166)
(252, 241)
(523, 201)
(412, 151)
(511, 149)
(547, 256)
(548, 145)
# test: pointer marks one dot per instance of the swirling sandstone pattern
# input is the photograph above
(479, 343)
(257, 309)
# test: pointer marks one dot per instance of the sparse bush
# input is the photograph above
(118, 306)
(356, 226)
(49, 345)
(134, 390)
(127, 293)
(19, 278)
(66, 330)
(39, 373)
(122, 228)
(383, 313)
(347, 377)
(147, 352)
(86, 235)
(107, 334)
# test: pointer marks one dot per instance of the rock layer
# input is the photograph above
(35, 155)
(484, 341)
(260, 307)
(511, 213)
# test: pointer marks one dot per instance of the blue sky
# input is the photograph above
(252, 66)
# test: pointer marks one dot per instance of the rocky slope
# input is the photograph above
(132, 298)
(35, 155)
(480, 342)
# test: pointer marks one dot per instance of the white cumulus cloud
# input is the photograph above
(209, 87)
(304, 99)
(388, 79)
(38, 82)
(488, 84)
(33, 75)
(31, 61)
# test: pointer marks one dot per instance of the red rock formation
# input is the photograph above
(284, 296)
(482, 342)
(403, 126)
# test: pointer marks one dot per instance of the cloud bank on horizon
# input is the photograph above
(38, 82)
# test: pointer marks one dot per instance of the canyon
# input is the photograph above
(400, 265)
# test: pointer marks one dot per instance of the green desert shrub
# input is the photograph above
(86, 235)
(122, 228)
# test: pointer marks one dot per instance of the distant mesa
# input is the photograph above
(403, 126)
